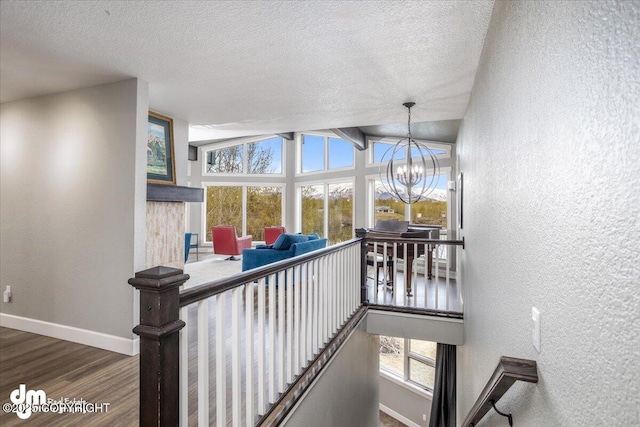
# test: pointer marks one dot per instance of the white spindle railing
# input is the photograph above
(275, 325)
(399, 274)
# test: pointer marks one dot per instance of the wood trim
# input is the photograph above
(508, 371)
(415, 310)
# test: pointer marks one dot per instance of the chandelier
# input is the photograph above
(412, 168)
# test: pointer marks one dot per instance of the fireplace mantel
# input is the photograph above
(174, 193)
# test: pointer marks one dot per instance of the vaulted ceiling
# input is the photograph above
(237, 68)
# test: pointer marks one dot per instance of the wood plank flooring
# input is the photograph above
(67, 370)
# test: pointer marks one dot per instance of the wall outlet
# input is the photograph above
(424, 417)
(6, 295)
(535, 337)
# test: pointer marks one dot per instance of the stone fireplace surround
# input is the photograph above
(166, 223)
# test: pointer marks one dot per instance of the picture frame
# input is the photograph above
(459, 200)
(161, 165)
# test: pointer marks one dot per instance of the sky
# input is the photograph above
(340, 153)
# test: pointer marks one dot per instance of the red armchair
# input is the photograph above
(271, 234)
(226, 241)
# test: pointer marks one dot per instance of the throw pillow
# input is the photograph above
(284, 241)
(264, 246)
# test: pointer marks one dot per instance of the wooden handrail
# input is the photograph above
(508, 371)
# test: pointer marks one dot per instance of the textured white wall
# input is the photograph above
(346, 394)
(550, 149)
(71, 206)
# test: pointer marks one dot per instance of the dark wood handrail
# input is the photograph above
(414, 310)
(508, 371)
(206, 290)
(393, 239)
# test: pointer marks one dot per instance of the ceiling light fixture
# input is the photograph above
(412, 169)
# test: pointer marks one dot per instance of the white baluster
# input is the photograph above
(221, 369)
(289, 330)
(436, 276)
(236, 368)
(281, 324)
(261, 347)
(184, 368)
(394, 286)
(304, 328)
(248, 308)
(203, 361)
(272, 338)
(296, 319)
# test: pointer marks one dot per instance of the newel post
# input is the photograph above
(362, 233)
(159, 344)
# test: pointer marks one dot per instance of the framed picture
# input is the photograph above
(161, 166)
(460, 200)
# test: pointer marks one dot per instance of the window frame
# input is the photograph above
(326, 169)
(326, 183)
(407, 356)
(244, 142)
(435, 145)
(370, 199)
(206, 241)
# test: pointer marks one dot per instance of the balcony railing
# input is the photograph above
(237, 350)
(243, 340)
(413, 273)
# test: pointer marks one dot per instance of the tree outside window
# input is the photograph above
(411, 360)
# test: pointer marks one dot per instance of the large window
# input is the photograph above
(250, 208)
(320, 153)
(253, 157)
(223, 207)
(312, 207)
(383, 149)
(433, 210)
(327, 209)
(430, 211)
(411, 360)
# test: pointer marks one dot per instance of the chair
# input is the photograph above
(226, 241)
(271, 234)
(377, 259)
(188, 245)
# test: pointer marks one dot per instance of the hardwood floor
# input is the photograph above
(67, 370)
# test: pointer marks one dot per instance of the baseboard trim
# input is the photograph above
(398, 417)
(120, 345)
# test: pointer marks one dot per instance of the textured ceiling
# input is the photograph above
(238, 68)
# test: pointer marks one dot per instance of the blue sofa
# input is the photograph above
(286, 246)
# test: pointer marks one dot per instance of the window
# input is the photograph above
(327, 209)
(225, 160)
(431, 211)
(411, 360)
(253, 157)
(312, 202)
(264, 209)
(385, 205)
(340, 218)
(319, 153)
(383, 149)
(223, 207)
(250, 208)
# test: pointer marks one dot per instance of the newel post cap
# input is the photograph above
(159, 278)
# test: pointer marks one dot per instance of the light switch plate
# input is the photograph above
(535, 316)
